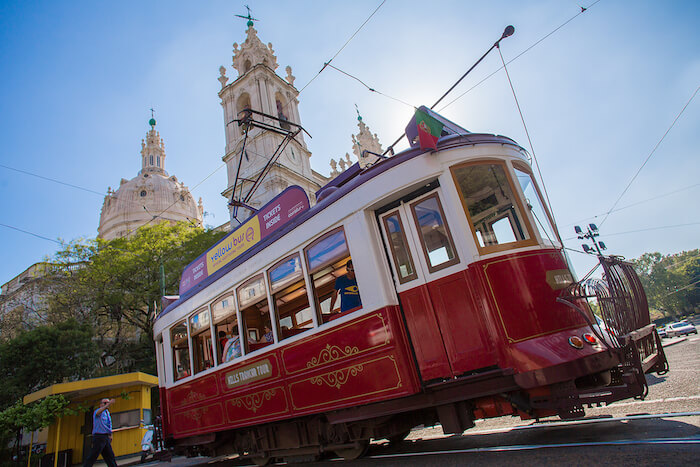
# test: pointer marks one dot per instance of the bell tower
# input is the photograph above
(260, 88)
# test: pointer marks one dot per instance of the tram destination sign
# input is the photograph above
(249, 374)
(275, 214)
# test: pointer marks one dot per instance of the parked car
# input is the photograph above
(680, 328)
(661, 331)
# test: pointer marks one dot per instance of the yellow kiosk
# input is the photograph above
(70, 436)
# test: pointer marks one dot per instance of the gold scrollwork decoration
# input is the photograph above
(195, 414)
(253, 402)
(331, 353)
(193, 396)
(336, 379)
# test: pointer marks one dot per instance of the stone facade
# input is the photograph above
(151, 196)
(259, 88)
(365, 146)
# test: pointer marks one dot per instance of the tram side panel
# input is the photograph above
(361, 361)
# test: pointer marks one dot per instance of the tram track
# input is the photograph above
(587, 421)
(531, 447)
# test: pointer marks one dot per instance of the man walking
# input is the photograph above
(101, 436)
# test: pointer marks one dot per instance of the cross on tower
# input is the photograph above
(249, 18)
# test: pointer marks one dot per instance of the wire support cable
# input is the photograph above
(583, 10)
(650, 154)
(370, 88)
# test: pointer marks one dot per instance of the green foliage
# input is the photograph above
(35, 416)
(119, 286)
(671, 281)
(44, 356)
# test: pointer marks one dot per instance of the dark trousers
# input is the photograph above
(100, 445)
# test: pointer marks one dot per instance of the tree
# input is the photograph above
(671, 281)
(35, 416)
(119, 285)
(44, 356)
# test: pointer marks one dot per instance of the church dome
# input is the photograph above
(151, 196)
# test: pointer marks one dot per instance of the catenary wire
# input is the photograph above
(651, 154)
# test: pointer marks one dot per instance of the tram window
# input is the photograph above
(290, 298)
(326, 259)
(255, 313)
(201, 341)
(228, 343)
(491, 205)
(399, 247)
(533, 201)
(435, 236)
(181, 350)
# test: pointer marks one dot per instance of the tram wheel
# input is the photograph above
(396, 439)
(261, 460)
(354, 451)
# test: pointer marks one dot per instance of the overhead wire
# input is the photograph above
(650, 154)
(341, 49)
(645, 230)
(522, 119)
(583, 10)
(636, 204)
(32, 233)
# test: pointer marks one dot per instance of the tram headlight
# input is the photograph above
(576, 342)
(590, 338)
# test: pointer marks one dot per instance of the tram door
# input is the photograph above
(445, 330)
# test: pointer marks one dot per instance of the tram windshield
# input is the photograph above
(491, 205)
(534, 204)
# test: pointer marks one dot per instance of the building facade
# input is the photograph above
(151, 196)
(258, 87)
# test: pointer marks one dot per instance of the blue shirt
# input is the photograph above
(101, 424)
(349, 293)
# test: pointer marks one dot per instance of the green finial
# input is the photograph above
(152, 121)
(359, 117)
(248, 17)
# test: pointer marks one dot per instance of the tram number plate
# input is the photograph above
(559, 279)
(248, 374)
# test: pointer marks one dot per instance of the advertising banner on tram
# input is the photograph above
(278, 212)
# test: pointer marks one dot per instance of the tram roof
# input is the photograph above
(452, 136)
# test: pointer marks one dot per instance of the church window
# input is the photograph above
(182, 198)
(158, 158)
(280, 112)
(247, 66)
(143, 193)
(151, 159)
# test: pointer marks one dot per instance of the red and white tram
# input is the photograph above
(468, 310)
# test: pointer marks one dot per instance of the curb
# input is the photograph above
(675, 342)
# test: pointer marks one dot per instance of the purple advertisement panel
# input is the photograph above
(278, 212)
(287, 205)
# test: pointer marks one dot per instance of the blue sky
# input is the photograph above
(78, 79)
